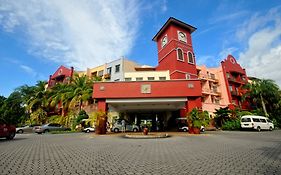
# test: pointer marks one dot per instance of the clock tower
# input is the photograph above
(175, 51)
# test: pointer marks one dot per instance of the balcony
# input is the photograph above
(107, 76)
(235, 93)
(203, 76)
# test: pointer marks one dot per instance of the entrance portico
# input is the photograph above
(159, 113)
(149, 100)
(146, 104)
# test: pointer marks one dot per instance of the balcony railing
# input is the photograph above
(106, 76)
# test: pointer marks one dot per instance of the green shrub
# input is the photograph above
(231, 125)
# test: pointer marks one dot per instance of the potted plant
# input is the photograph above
(196, 119)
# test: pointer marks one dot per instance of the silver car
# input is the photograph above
(117, 127)
(50, 127)
(25, 129)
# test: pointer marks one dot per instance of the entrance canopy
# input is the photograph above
(146, 104)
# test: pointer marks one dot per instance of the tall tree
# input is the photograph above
(81, 90)
(12, 110)
(264, 93)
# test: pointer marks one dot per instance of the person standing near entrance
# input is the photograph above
(123, 125)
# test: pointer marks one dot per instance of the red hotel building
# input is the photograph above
(166, 100)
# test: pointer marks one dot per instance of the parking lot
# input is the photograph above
(219, 152)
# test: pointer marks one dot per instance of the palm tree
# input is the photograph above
(59, 95)
(262, 91)
(81, 90)
(35, 100)
(221, 115)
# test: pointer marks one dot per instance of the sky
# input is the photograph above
(36, 37)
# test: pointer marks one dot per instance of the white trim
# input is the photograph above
(186, 44)
(178, 54)
(183, 72)
(192, 57)
(146, 100)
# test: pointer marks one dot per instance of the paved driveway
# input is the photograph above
(214, 153)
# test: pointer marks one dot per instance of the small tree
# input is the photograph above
(197, 119)
(101, 122)
(221, 115)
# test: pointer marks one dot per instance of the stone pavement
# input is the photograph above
(213, 153)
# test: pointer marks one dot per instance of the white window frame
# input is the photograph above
(192, 57)
(178, 54)
(187, 76)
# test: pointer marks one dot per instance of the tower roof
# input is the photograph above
(173, 20)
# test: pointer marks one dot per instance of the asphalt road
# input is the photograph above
(211, 153)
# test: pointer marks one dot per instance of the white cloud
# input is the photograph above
(82, 33)
(209, 60)
(28, 70)
(227, 51)
(262, 57)
(228, 17)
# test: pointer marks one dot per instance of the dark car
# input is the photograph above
(8, 131)
(50, 127)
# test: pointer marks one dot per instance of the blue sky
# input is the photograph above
(36, 37)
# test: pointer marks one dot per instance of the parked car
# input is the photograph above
(256, 122)
(50, 127)
(25, 129)
(185, 129)
(8, 131)
(89, 129)
(117, 127)
(182, 125)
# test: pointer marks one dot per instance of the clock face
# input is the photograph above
(181, 36)
(164, 40)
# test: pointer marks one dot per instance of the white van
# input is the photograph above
(256, 122)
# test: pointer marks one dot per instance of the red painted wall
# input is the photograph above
(230, 65)
(62, 71)
(102, 106)
(159, 89)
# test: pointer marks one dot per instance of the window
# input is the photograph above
(180, 54)
(246, 120)
(117, 68)
(256, 120)
(117, 80)
(217, 101)
(190, 58)
(94, 74)
(150, 78)
(162, 78)
(128, 79)
(230, 88)
(263, 120)
(212, 76)
(227, 75)
(109, 70)
(100, 73)
(215, 89)
(139, 79)
(187, 76)
(269, 121)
